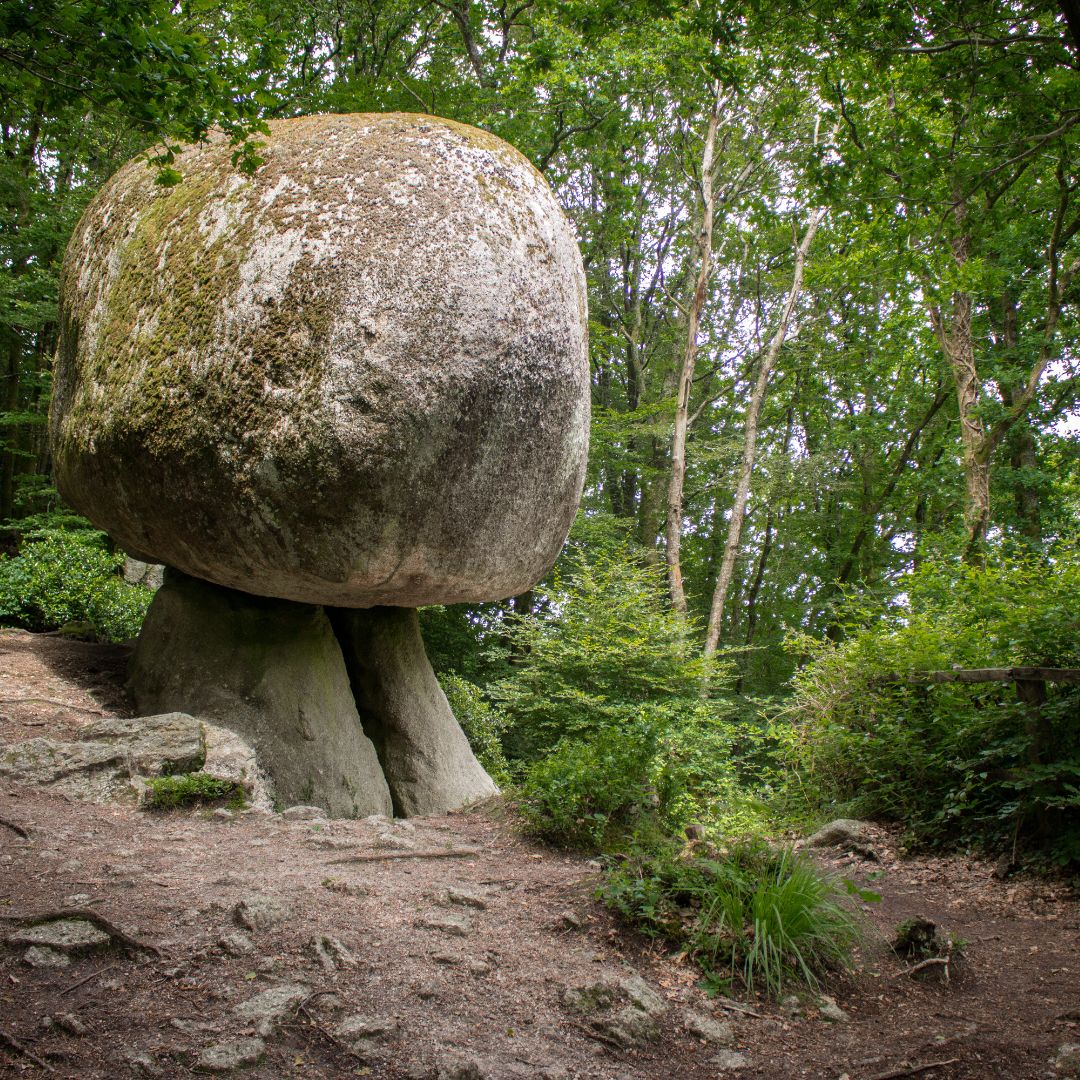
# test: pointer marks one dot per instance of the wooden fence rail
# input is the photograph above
(989, 674)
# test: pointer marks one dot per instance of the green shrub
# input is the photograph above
(62, 578)
(596, 793)
(757, 916)
(482, 723)
(188, 789)
(602, 646)
(956, 763)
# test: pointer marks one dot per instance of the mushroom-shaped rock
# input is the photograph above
(358, 379)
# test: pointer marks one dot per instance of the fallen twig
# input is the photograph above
(50, 701)
(378, 856)
(85, 979)
(99, 920)
(934, 961)
(17, 1047)
(913, 1070)
(17, 829)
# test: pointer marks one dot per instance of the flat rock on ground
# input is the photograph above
(175, 880)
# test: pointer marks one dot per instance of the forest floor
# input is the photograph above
(452, 967)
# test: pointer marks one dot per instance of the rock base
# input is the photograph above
(343, 709)
(425, 756)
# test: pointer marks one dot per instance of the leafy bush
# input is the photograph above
(188, 789)
(621, 723)
(754, 915)
(954, 762)
(604, 645)
(61, 578)
(482, 723)
(596, 793)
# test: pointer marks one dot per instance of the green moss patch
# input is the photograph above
(192, 789)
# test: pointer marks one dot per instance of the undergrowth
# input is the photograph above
(191, 789)
(753, 916)
(67, 579)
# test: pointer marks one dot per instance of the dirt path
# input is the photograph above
(466, 986)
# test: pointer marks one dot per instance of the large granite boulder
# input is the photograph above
(358, 377)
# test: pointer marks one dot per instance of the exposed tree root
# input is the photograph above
(17, 1047)
(89, 916)
(438, 853)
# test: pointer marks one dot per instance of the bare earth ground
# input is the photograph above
(491, 995)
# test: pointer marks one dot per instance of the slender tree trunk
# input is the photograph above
(686, 376)
(753, 414)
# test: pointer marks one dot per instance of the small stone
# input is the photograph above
(226, 1056)
(70, 1023)
(258, 912)
(448, 958)
(303, 813)
(267, 1009)
(235, 943)
(79, 899)
(629, 1027)
(730, 1061)
(478, 968)
(389, 841)
(222, 814)
(842, 833)
(568, 920)
(711, 1030)
(791, 1006)
(143, 1064)
(427, 991)
(465, 898)
(455, 1067)
(365, 1027)
(326, 1003)
(37, 956)
(642, 995)
(829, 1010)
(64, 935)
(1066, 1061)
(585, 1000)
(331, 953)
(448, 922)
(377, 821)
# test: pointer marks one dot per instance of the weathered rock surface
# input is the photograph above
(272, 671)
(709, 1029)
(623, 1008)
(115, 750)
(226, 1056)
(1066, 1061)
(429, 765)
(266, 1010)
(358, 377)
(259, 912)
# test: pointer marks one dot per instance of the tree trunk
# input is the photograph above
(753, 414)
(686, 377)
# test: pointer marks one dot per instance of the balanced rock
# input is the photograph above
(351, 384)
(357, 377)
